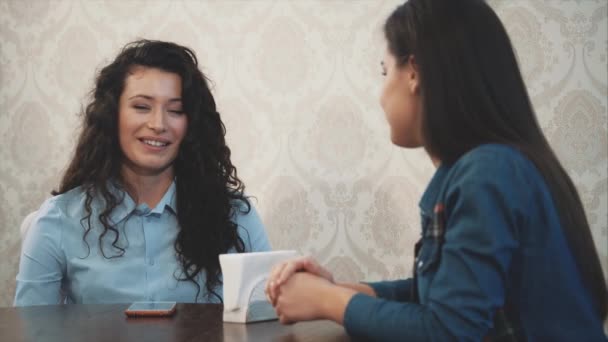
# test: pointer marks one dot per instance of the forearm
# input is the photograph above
(378, 319)
(359, 287)
(336, 298)
(397, 290)
(373, 318)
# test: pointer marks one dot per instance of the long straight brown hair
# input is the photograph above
(473, 94)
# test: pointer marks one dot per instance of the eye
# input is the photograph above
(141, 108)
(383, 72)
(176, 111)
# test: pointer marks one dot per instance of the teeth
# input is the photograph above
(155, 143)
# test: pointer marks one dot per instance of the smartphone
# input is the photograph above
(155, 309)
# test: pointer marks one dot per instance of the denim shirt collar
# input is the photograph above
(127, 204)
(429, 198)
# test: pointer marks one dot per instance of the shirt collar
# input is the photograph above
(429, 198)
(168, 201)
(127, 205)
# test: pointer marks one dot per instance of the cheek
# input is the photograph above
(128, 122)
(180, 127)
(393, 105)
(123, 127)
(384, 97)
(392, 95)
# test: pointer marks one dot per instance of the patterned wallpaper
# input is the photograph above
(297, 83)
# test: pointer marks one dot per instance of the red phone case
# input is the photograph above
(150, 313)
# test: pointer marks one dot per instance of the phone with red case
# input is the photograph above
(151, 309)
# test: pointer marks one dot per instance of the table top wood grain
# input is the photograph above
(191, 322)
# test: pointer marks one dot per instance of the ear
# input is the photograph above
(413, 74)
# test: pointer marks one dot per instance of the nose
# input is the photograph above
(156, 121)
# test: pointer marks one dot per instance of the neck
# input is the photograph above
(436, 162)
(147, 188)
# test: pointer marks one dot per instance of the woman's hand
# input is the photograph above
(285, 270)
(305, 297)
(300, 298)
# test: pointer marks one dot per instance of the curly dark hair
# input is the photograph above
(207, 186)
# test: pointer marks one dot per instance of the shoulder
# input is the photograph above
(495, 156)
(58, 212)
(47, 225)
(242, 206)
(70, 204)
(244, 212)
(250, 226)
(493, 174)
(494, 164)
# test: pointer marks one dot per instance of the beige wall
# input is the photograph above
(297, 84)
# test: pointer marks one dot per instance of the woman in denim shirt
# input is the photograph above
(506, 252)
(150, 198)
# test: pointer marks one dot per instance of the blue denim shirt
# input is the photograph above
(502, 238)
(56, 262)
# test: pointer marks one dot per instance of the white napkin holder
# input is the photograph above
(244, 276)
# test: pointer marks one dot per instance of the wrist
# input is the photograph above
(334, 300)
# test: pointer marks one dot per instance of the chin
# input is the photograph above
(152, 168)
(405, 143)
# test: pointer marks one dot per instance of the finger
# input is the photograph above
(276, 269)
(270, 293)
(312, 266)
(275, 299)
(267, 288)
(288, 271)
(268, 298)
(298, 264)
(285, 320)
(267, 291)
(272, 281)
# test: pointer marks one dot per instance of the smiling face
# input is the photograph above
(401, 101)
(151, 121)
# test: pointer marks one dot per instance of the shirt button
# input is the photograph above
(151, 262)
(420, 263)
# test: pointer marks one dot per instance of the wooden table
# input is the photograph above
(192, 322)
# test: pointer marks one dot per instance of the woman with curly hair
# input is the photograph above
(150, 198)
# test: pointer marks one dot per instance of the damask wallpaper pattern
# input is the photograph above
(297, 83)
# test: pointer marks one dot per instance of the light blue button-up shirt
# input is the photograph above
(57, 263)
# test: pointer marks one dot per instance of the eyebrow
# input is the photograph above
(147, 97)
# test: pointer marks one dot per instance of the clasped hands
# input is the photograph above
(300, 290)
